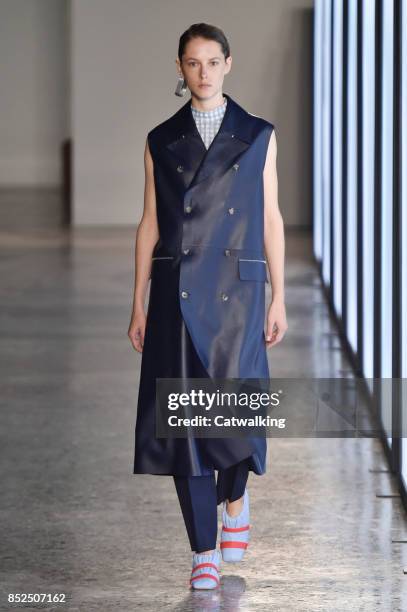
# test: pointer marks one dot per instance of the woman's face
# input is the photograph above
(204, 67)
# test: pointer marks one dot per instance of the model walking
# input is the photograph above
(211, 224)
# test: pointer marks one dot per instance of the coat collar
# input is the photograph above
(236, 133)
(235, 122)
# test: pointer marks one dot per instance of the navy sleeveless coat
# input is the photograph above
(206, 308)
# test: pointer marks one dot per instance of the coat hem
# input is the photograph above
(205, 472)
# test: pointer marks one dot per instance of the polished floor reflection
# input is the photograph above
(75, 520)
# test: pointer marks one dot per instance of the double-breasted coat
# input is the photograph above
(206, 307)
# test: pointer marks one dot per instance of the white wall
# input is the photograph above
(124, 76)
(33, 110)
(103, 71)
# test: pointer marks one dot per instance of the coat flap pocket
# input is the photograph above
(253, 269)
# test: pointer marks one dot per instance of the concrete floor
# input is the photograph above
(75, 520)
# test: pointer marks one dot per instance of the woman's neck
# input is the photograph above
(208, 105)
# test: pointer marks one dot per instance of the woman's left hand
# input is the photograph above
(276, 322)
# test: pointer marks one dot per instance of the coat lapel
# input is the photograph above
(232, 139)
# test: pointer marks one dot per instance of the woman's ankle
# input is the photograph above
(205, 552)
(235, 507)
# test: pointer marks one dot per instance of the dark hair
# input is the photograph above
(203, 30)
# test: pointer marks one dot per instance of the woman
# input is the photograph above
(210, 217)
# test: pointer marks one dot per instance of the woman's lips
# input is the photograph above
(204, 85)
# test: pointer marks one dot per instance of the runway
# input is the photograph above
(76, 521)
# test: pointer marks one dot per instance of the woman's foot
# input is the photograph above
(205, 570)
(235, 532)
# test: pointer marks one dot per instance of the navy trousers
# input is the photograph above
(199, 497)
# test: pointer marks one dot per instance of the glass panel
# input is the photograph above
(337, 76)
(326, 144)
(368, 152)
(403, 201)
(351, 195)
(386, 213)
(318, 80)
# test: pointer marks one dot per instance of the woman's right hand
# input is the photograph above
(137, 330)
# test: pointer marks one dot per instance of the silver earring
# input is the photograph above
(181, 87)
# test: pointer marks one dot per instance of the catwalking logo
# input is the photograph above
(221, 421)
(220, 399)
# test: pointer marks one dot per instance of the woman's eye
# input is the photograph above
(193, 64)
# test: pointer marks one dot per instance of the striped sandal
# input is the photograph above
(235, 532)
(205, 570)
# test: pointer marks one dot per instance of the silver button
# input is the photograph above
(224, 296)
(227, 252)
(232, 135)
(188, 209)
(182, 135)
(235, 166)
(231, 211)
(185, 251)
(184, 294)
(180, 168)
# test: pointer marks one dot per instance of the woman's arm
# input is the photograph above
(274, 246)
(146, 237)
